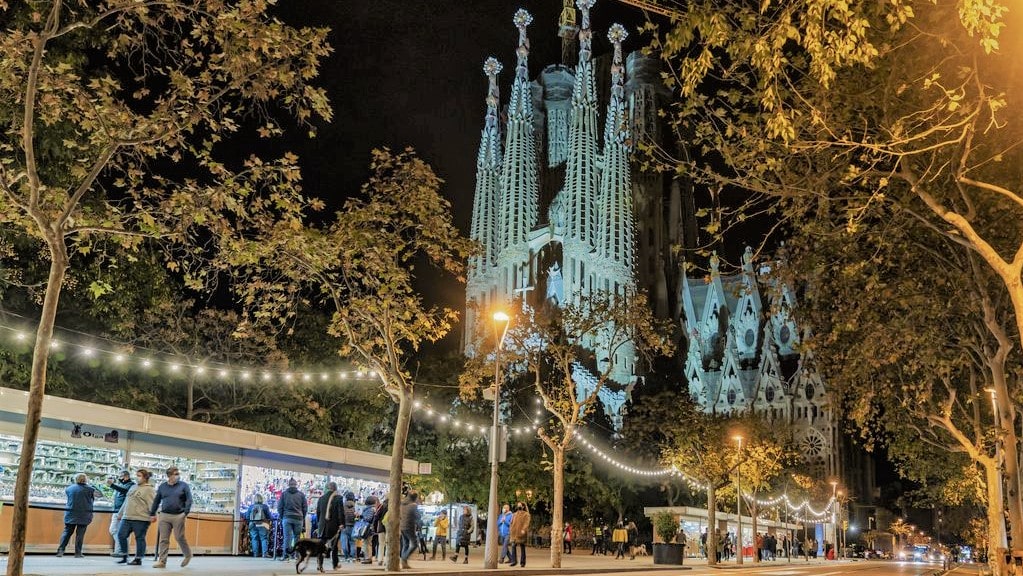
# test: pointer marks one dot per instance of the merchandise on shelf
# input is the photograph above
(214, 484)
(271, 482)
(54, 469)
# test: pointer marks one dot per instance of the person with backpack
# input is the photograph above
(345, 536)
(259, 521)
(365, 529)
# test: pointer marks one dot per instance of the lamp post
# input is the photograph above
(834, 518)
(501, 323)
(841, 519)
(738, 499)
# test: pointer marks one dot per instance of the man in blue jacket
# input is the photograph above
(503, 526)
(174, 501)
(77, 514)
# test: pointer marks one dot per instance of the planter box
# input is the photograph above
(668, 554)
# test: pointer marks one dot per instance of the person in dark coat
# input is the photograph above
(369, 516)
(260, 521)
(465, 526)
(348, 518)
(292, 508)
(77, 514)
(380, 531)
(410, 523)
(328, 520)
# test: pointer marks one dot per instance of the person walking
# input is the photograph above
(440, 537)
(328, 520)
(566, 539)
(121, 485)
(259, 521)
(518, 533)
(369, 517)
(292, 509)
(503, 527)
(133, 517)
(410, 523)
(77, 514)
(173, 501)
(618, 538)
(633, 539)
(598, 540)
(465, 525)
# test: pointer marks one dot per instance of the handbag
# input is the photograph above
(359, 529)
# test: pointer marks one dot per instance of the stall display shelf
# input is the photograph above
(212, 494)
(55, 467)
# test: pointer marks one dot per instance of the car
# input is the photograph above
(920, 553)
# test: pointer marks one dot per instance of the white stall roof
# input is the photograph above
(251, 446)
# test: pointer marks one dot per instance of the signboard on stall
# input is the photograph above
(80, 433)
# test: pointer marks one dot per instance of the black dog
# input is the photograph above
(306, 548)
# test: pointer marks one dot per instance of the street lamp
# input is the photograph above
(501, 324)
(834, 518)
(841, 519)
(738, 497)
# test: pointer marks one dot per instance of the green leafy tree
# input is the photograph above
(360, 267)
(92, 150)
(819, 108)
(548, 345)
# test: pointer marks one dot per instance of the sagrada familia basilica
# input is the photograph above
(562, 209)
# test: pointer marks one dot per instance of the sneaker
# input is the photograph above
(123, 560)
(186, 560)
(454, 558)
(79, 555)
(466, 561)
(160, 564)
(135, 562)
(60, 553)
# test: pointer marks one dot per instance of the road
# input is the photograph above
(576, 565)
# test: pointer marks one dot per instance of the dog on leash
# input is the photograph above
(639, 551)
(306, 548)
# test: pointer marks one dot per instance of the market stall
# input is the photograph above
(226, 467)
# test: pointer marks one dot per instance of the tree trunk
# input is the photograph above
(394, 493)
(558, 509)
(1010, 455)
(36, 391)
(712, 533)
(995, 520)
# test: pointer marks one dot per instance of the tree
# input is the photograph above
(360, 267)
(586, 339)
(762, 460)
(823, 107)
(925, 324)
(94, 148)
(707, 454)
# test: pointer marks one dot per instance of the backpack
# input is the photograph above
(257, 513)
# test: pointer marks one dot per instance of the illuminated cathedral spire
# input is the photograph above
(616, 229)
(581, 177)
(488, 163)
(517, 212)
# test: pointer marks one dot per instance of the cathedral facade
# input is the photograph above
(743, 356)
(560, 212)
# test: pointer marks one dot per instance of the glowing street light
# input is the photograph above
(501, 323)
(738, 495)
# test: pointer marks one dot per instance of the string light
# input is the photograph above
(173, 364)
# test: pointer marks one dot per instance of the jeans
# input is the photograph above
(381, 547)
(441, 541)
(292, 530)
(139, 529)
(167, 523)
(347, 543)
(409, 544)
(115, 529)
(79, 531)
(259, 539)
(516, 548)
(504, 548)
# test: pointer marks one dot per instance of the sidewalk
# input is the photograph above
(539, 564)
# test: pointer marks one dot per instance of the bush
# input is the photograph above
(666, 526)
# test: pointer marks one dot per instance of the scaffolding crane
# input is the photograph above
(655, 7)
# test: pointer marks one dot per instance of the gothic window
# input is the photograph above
(769, 394)
(750, 337)
(785, 334)
(731, 396)
(810, 391)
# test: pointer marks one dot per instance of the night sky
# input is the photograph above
(409, 73)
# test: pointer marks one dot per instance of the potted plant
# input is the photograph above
(667, 551)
